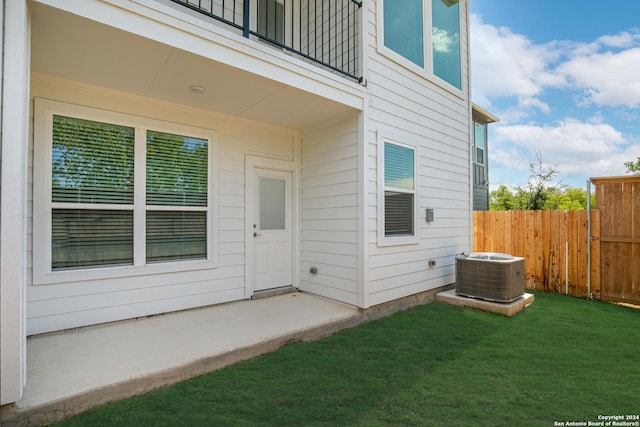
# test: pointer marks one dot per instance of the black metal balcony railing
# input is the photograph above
(322, 31)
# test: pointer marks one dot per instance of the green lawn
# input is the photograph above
(561, 359)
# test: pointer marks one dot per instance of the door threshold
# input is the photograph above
(273, 292)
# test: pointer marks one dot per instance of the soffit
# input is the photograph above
(74, 48)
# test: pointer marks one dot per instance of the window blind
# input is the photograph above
(398, 167)
(403, 29)
(398, 213)
(92, 162)
(176, 235)
(94, 219)
(399, 182)
(86, 238)
(176, 170)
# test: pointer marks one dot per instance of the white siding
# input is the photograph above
(421, 112)
(61, 306)
(329, 211)
(413, 108)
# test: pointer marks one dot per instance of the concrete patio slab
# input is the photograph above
(69, 372)
(506, 309)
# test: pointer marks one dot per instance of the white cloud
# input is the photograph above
(623, 40)
(585, 149)
(507, 64)
(442, 40)
(534, 103)
(516, 78)
(608, 79)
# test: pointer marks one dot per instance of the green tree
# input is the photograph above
(539, 189)
(503, 199)
(633, 167)
(570, 199)
(540, 192)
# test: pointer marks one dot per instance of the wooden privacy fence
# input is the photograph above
(618, 199)
(553, 244)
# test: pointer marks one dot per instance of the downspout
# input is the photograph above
(589, 239)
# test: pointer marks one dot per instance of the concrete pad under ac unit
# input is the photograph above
(506, 309)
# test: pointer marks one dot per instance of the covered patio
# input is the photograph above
(73, 370)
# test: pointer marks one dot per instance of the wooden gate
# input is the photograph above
(618, 199)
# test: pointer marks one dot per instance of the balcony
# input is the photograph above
(324, 32)
(142, 50)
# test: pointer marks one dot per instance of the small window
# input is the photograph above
(479, 140)
(397, 193)
(403, 29)
(176, 180)
(399, 190)
(271, 20)
(445, 40)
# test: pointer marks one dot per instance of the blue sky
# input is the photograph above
(563, 76)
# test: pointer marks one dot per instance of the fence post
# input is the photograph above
(589, 239)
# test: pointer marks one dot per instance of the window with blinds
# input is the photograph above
(423, 35)
(99, 211)
(403, 29)
(92, 186)
(399, 190)
(176, 194)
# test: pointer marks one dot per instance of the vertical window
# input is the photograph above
(403, 29)
(435, 49)
(399, 190)
(479, 136)
(176, 218)
(91, 193)
(271, 19)
(445, 40)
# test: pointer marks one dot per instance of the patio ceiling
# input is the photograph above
(74, 48)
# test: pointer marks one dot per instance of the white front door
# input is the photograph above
(272, 229)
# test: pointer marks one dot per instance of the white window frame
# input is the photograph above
(427, 70)
(384, 240)
(475, 145)
(42, 203)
